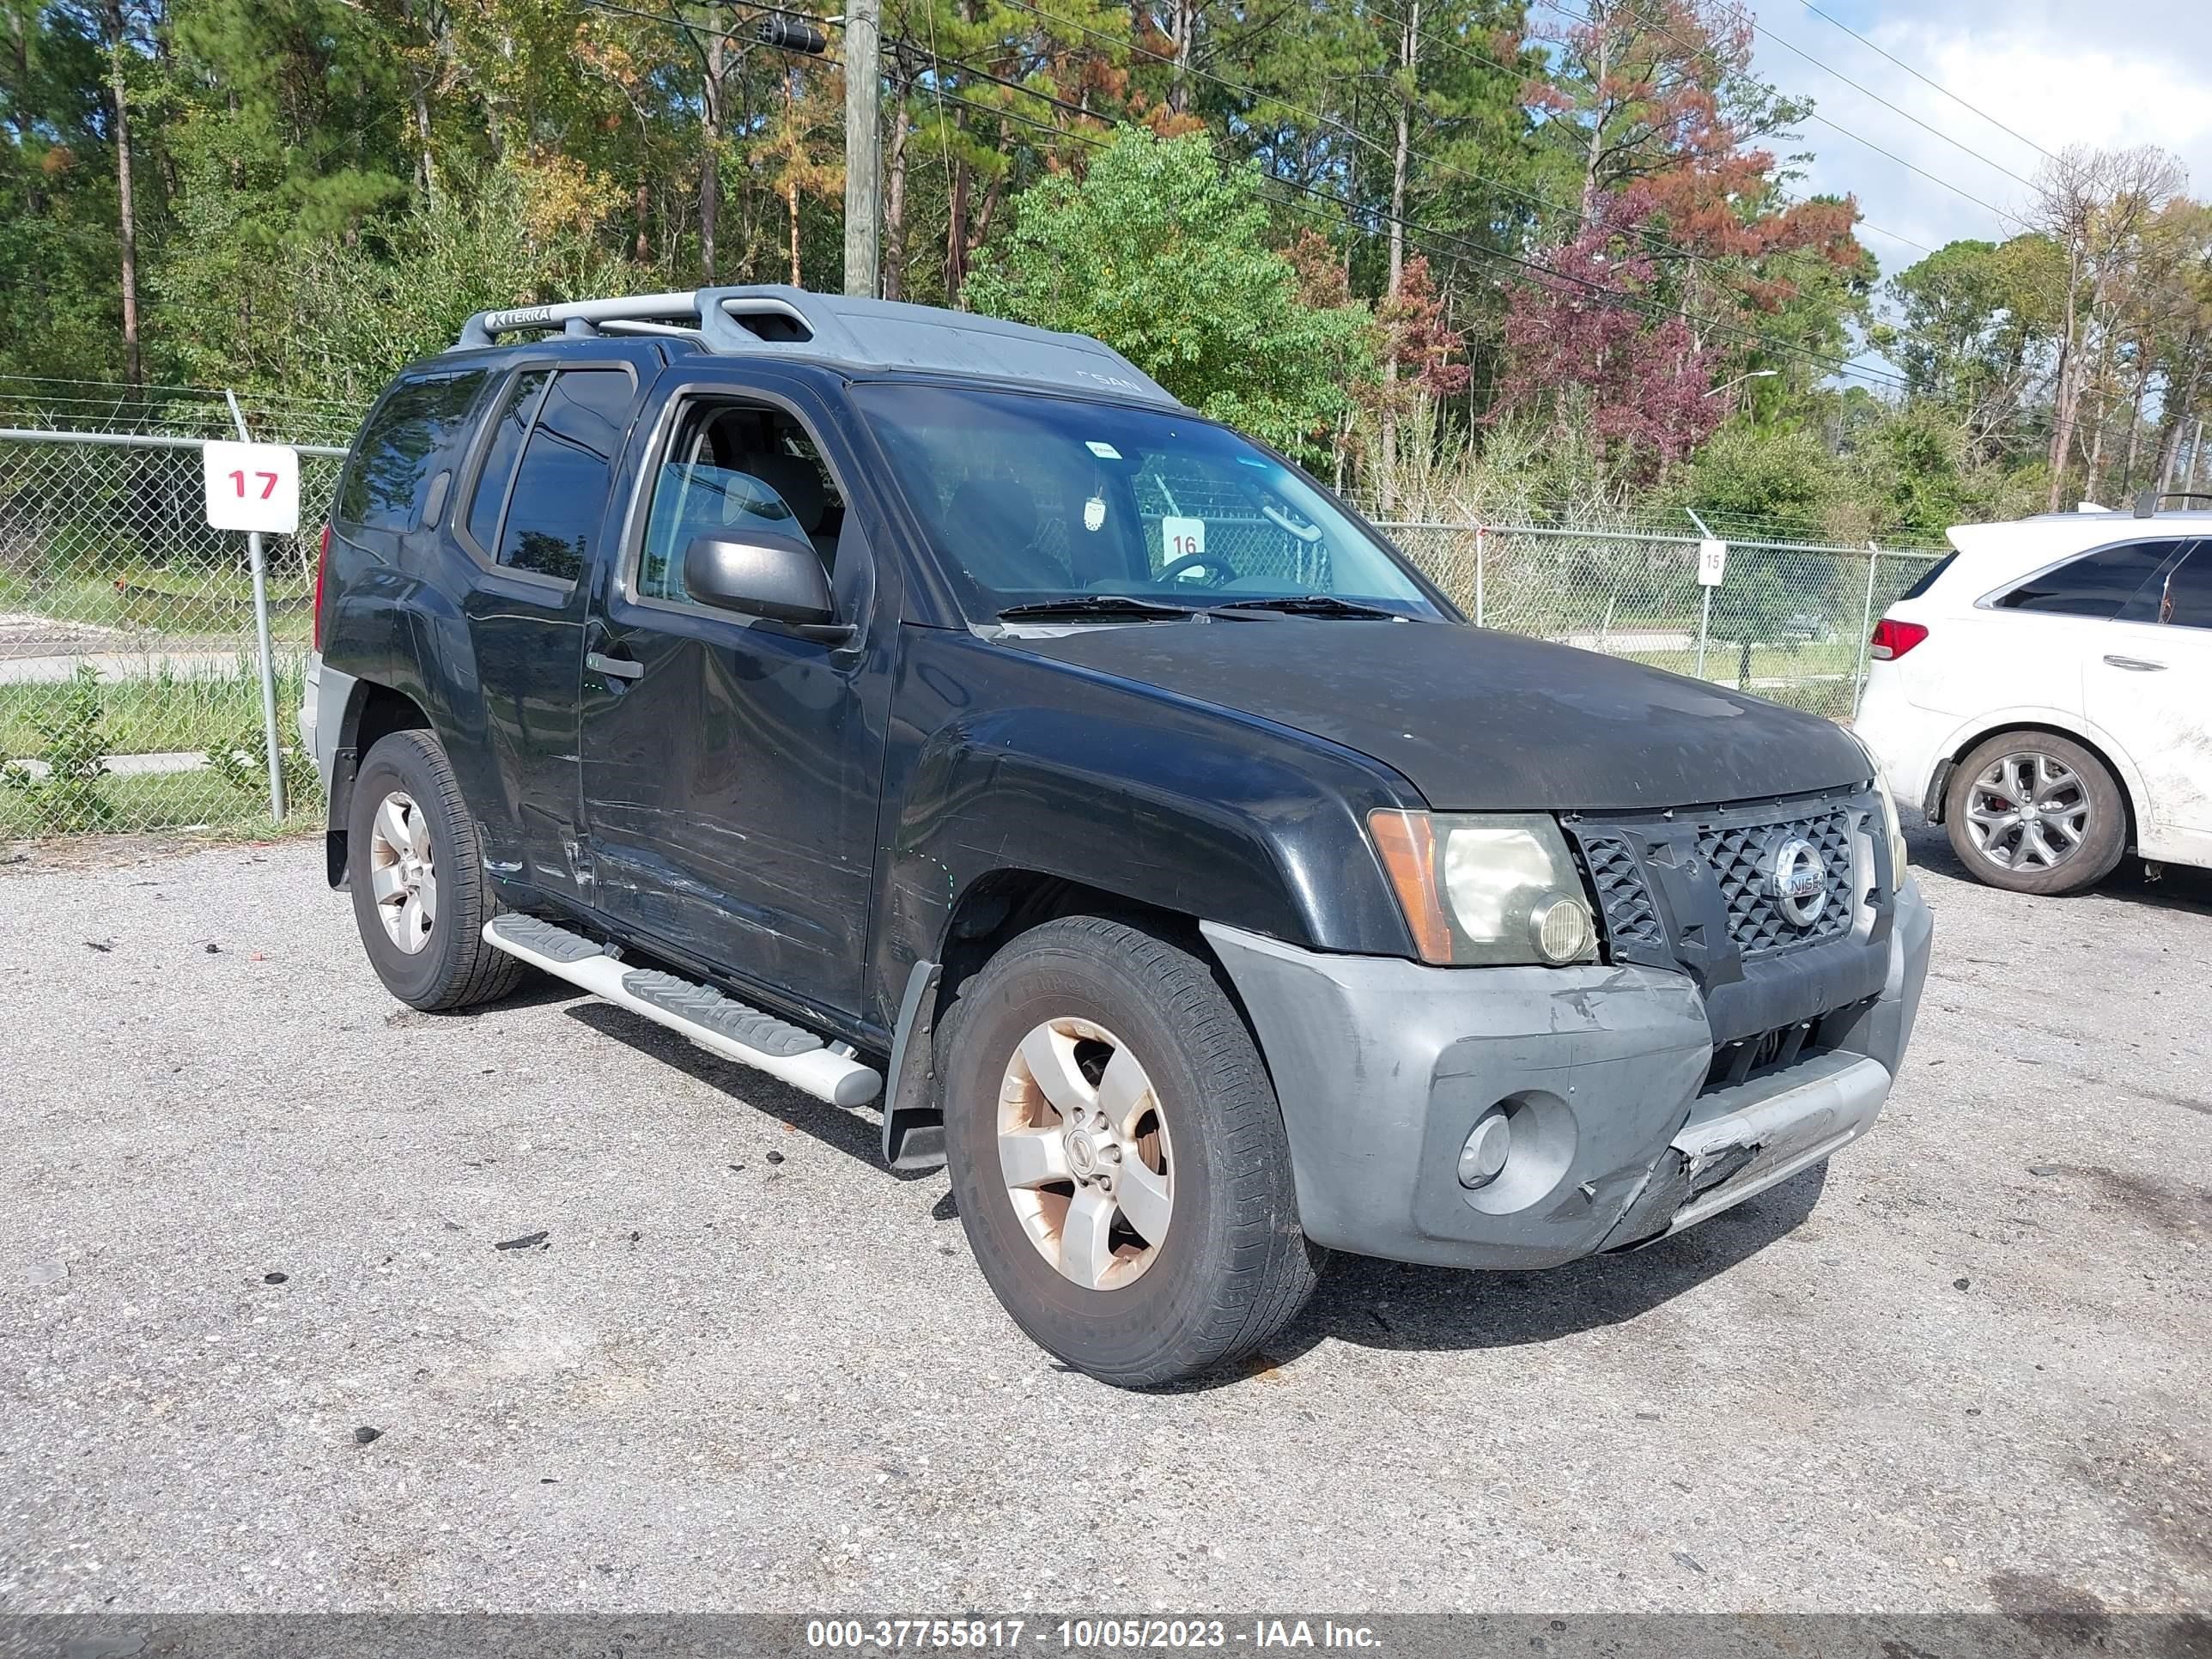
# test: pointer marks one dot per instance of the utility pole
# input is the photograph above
(863, 145)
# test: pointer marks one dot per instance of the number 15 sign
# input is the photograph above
(252, 487)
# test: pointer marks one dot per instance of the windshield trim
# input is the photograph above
(959, 595)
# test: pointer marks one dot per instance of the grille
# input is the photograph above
(1629, 920)
(1756, 923)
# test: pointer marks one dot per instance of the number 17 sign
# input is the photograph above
(252, 487)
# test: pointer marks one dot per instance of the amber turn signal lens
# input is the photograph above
(1407, 845)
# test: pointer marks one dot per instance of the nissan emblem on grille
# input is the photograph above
(1797, 879)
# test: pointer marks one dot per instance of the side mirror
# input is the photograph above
(761, 572)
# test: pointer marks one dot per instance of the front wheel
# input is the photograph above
(1118, 1155)
(419, 895)
(2034, 812)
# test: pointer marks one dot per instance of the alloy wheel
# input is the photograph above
(2027, 811)
(1085, 1153)
(403, 872)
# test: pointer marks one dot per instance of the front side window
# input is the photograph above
(390, 476)
(1031, 498)
(2188, 599)
(2119, 582)
(731, 468)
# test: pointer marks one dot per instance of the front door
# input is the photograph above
(731, 766)
(2150, 686)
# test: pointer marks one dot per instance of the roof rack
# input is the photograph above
(772, 321)
(2147, 502)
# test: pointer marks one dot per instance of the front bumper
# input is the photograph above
(1383, 1066)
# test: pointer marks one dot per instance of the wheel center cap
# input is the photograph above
(1082, 1157)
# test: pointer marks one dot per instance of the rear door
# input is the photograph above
(532, 507)
(2151, 687)
(731, 764)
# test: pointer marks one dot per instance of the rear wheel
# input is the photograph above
(2034, 812)
(419, 896)
(1118, 1155)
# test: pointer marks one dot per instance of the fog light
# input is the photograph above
(1488, 1145)
(1560, 927)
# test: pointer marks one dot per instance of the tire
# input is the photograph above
(2088, 830)
(1228, 1266)
(434, 957)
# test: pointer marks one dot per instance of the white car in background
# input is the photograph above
(2045, 693)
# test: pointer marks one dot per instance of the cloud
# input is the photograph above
(2122, 73)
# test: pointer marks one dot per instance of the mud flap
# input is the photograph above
(914, 1124)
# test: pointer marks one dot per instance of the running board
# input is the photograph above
(716, 1022)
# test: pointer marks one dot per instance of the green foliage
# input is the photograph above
(339, 317)
(1165, 255)
(69, 799)
(243, 764)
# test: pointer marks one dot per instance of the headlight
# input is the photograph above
(1896, 833)
(1889, 819)
(1486, 890)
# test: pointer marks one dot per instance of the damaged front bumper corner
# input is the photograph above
(1384, 1066)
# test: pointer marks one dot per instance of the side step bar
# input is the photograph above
(714, 1022)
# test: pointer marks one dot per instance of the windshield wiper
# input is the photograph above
(1312, 605)
(1120, 607)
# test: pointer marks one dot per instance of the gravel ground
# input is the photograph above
(251, 1209)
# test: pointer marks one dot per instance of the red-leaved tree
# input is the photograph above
(1585, 330)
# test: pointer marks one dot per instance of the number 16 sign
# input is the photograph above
(252, 487)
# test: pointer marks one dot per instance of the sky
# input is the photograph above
(2108, 73)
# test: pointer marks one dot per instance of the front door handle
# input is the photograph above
(2135, 664)
(615, 668)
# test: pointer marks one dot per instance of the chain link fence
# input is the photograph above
(1787, 620)
(130, 673)
(129, 669)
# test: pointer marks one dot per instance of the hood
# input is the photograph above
(1483, 722)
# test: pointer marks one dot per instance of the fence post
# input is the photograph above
(1704, 600)
(1481, 543)
(1866, 630)
(270, 740)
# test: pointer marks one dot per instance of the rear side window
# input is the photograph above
(515, 415)
(393, 460)
(561, 489)
(2119, 581)
(2189, 591)
(541, 489)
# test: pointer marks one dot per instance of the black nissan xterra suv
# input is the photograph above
(933, 712)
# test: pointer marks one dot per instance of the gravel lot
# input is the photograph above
(751, 1370)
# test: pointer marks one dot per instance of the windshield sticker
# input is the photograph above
(1180, 537)
(1104, 451)
(1094, 512)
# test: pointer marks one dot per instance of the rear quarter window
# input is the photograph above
(1930, 577)
(394, 457)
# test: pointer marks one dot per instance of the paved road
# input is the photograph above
(753, 1371)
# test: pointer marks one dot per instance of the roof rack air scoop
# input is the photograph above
(770, 320)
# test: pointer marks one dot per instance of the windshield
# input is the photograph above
(1031, 500)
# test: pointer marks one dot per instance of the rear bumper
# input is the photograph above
(325, 692)
(1906, 740)
(1383, 1066)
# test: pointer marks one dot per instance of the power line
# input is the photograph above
(1466, 51)
(1713, 57)
(1939, 86)
(1665, 248)
(1760, 28)
(1712, 327)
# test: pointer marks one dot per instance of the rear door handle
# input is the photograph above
(2135, 664)
(615, 668)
